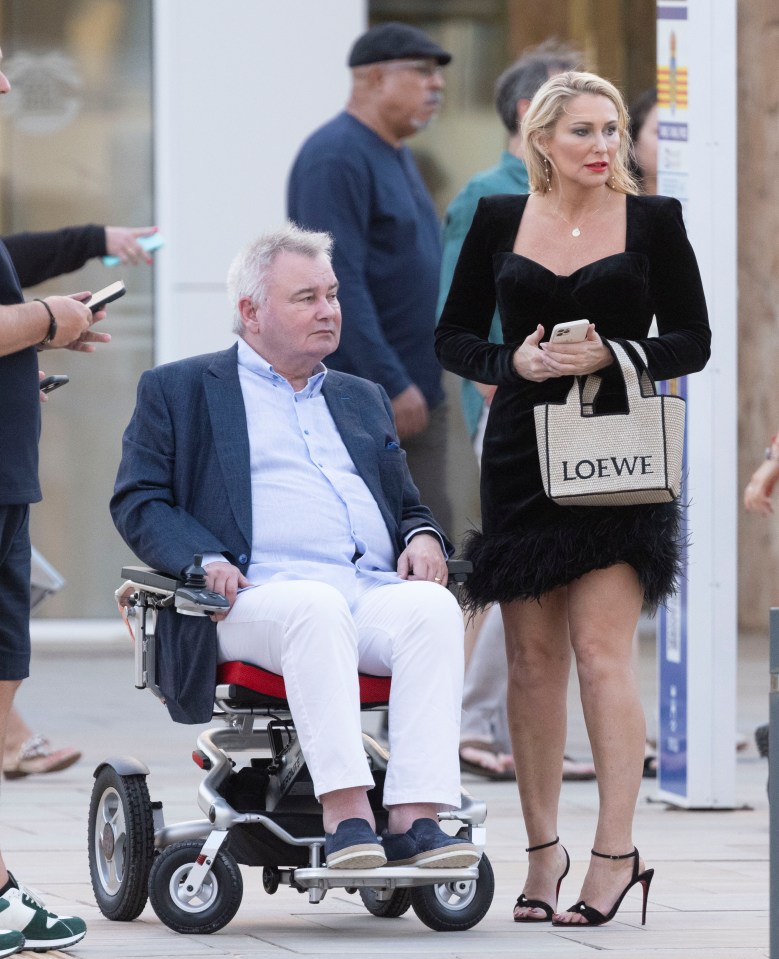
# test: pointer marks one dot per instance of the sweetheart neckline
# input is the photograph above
(566, 276)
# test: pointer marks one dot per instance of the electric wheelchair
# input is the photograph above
(258, 800)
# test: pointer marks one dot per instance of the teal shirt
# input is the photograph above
(508, 176)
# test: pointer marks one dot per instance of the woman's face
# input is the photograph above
(584, 142)
(645, 146)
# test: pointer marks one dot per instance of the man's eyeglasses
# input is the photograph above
(425, 68)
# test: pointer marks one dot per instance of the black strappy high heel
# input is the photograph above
(525, 903)
(594, 916)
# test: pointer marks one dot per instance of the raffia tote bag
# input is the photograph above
(614, 459)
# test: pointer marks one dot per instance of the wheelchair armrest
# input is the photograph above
(189, 600)
(459, 569)
(146, 576)
(196, 600)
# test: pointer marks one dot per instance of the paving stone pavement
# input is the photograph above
(709, 897)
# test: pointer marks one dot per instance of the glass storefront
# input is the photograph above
(76, 147)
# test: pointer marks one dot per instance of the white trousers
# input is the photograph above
(412, 631)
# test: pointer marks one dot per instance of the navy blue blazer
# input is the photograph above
(184, 487)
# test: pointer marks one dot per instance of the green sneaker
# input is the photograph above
(10, 942)
(39, 929)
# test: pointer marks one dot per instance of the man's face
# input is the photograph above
(299, 321)
(410, 93)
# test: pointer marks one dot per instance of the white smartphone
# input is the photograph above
(109, 293)
(573, 332)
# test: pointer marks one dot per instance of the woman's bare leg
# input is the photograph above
(539, 659)
(603, 609)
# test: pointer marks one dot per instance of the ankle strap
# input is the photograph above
(627, 855)
(544, 845)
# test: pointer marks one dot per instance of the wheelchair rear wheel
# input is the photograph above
(121, 843)
(215, 904)
(397, 904)
(455, 906)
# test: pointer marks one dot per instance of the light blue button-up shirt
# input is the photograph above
(313, 517)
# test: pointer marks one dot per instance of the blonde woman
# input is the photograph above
(571, 580)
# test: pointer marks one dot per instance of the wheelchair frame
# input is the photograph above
(189, 869)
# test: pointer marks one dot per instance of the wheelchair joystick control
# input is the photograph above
(196, 575)
(193, 599)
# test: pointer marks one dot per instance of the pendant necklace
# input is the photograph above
(577, 230)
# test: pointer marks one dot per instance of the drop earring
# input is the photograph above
(548, 174)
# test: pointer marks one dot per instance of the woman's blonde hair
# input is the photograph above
(546, 108)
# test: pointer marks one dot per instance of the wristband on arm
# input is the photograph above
(52, 324)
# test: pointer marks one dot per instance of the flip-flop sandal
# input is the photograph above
(467, 765)
(574, 771)
(36, 756)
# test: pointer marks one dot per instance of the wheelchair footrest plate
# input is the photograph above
(385, 877)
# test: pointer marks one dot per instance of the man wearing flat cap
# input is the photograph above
(355, 178)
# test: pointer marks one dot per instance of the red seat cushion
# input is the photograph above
(374, 690)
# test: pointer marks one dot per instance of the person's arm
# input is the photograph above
(760, 488)
(144, 506)
(415, 518)
(457, 222)
(683, 345)
(424, 559)
(462, 343)
(122, 242)
(40, 256)
(28, 324)
(332, 194)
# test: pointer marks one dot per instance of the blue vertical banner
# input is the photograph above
(696, 631)
(673, 135)
(672, 739)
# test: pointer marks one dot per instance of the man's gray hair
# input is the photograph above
(523, 78)
(249, 270)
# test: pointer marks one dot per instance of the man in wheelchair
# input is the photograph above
(290, 480)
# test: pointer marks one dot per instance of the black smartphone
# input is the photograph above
(109, 293)
(49, 383)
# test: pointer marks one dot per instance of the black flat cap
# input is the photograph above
(395, 41)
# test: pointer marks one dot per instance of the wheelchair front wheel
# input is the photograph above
(455, 906)
(121, 843)
(215, 904)
(397, 904)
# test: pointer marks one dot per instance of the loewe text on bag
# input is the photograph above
(617, 459)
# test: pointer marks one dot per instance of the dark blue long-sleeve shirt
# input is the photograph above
(36, 257)
(20, 404)
(370, 196)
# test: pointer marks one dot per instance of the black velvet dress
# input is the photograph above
(528, 544)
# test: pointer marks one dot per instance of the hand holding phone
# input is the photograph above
(54, 382)
(107, 295)
(147, 243)
(575, 331)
